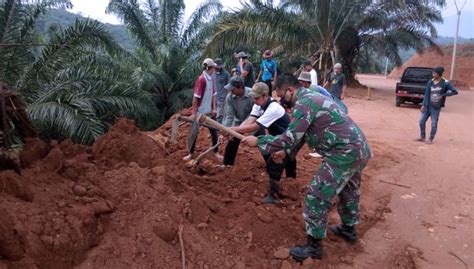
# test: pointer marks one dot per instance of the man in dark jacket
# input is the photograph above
(435, 96)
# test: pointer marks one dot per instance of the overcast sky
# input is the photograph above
(96, 9)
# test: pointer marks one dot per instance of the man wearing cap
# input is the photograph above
(268, 114)
(268, 70)
(222, 78)
(337, 82)
(305, 81)
(308, 67)
(238, 105)
(245, 68)
(318, 121)
(204, 102)
(436, 92)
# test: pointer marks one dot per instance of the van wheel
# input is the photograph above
(398, 101)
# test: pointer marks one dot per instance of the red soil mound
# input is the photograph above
(119, 204)
(430, 58)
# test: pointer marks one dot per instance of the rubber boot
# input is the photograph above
(273, 195)
(313, 249)
(348, 233)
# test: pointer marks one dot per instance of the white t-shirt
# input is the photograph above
(269, 116)
(314, 77)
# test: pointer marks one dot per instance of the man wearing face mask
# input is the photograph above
(333, 134)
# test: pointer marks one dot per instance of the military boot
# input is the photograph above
(273, 195)
(348, 233)
(313, 249)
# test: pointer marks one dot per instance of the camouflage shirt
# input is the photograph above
(326, 129)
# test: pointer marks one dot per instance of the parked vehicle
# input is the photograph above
(411, 87)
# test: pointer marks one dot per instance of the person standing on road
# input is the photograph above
(268, 70)
(238, 105)
(318, 121)
(245, 69)
(204, 102)
(436, 92)
(308, 67)
(222, 78)
(336, 82)
(268, 114)
(305, 81)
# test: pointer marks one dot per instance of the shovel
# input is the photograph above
(180, 120)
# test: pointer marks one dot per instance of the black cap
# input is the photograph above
(218, 62)
(307, 62)
(235, 82)
(439, 70)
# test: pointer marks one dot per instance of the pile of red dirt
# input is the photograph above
(431, 58)
(120, 203)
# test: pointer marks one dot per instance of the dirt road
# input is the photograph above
(430, 223)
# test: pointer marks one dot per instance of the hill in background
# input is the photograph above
(430, 58)
(63, 18)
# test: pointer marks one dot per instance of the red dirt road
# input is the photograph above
(431, 224)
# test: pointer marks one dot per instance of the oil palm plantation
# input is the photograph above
(331, 30)
(169, 48)
(74, 81)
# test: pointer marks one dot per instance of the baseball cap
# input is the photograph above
(241, 55)
(305, 76)
(259, 89)
(218, 62)
(306, 62)
(208, 62)
(338, 65)
(234, 82)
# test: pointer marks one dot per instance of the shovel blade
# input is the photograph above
(192, 135)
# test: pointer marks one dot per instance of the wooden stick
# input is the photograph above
(395, 184)
(198, 159)
(216, 125)
(457, 257)
(181, 243)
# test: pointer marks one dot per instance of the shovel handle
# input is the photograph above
(218, 126)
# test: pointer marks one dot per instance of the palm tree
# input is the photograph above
(74, 83)
(169, 51)
(330, 31)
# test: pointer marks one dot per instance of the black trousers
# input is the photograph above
(214, 138)
(275, 170)
(270, 88)
(232, 148)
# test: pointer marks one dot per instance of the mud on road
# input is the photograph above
(120, 203)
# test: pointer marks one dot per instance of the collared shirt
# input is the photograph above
(222, 78)
(204, 89)
(236, 108)
(318, 120)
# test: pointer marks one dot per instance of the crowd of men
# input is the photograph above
(305, 113)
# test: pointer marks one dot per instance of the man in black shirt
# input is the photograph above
(435, 96)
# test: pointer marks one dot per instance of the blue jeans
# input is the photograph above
(434, 114)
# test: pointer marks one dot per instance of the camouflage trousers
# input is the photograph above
(329, 181)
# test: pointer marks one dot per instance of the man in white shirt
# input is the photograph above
(270, 115)
(308, 67)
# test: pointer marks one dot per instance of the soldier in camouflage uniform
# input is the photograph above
(333, 134)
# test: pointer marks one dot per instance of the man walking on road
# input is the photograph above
(435, 96)
(318, 121)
